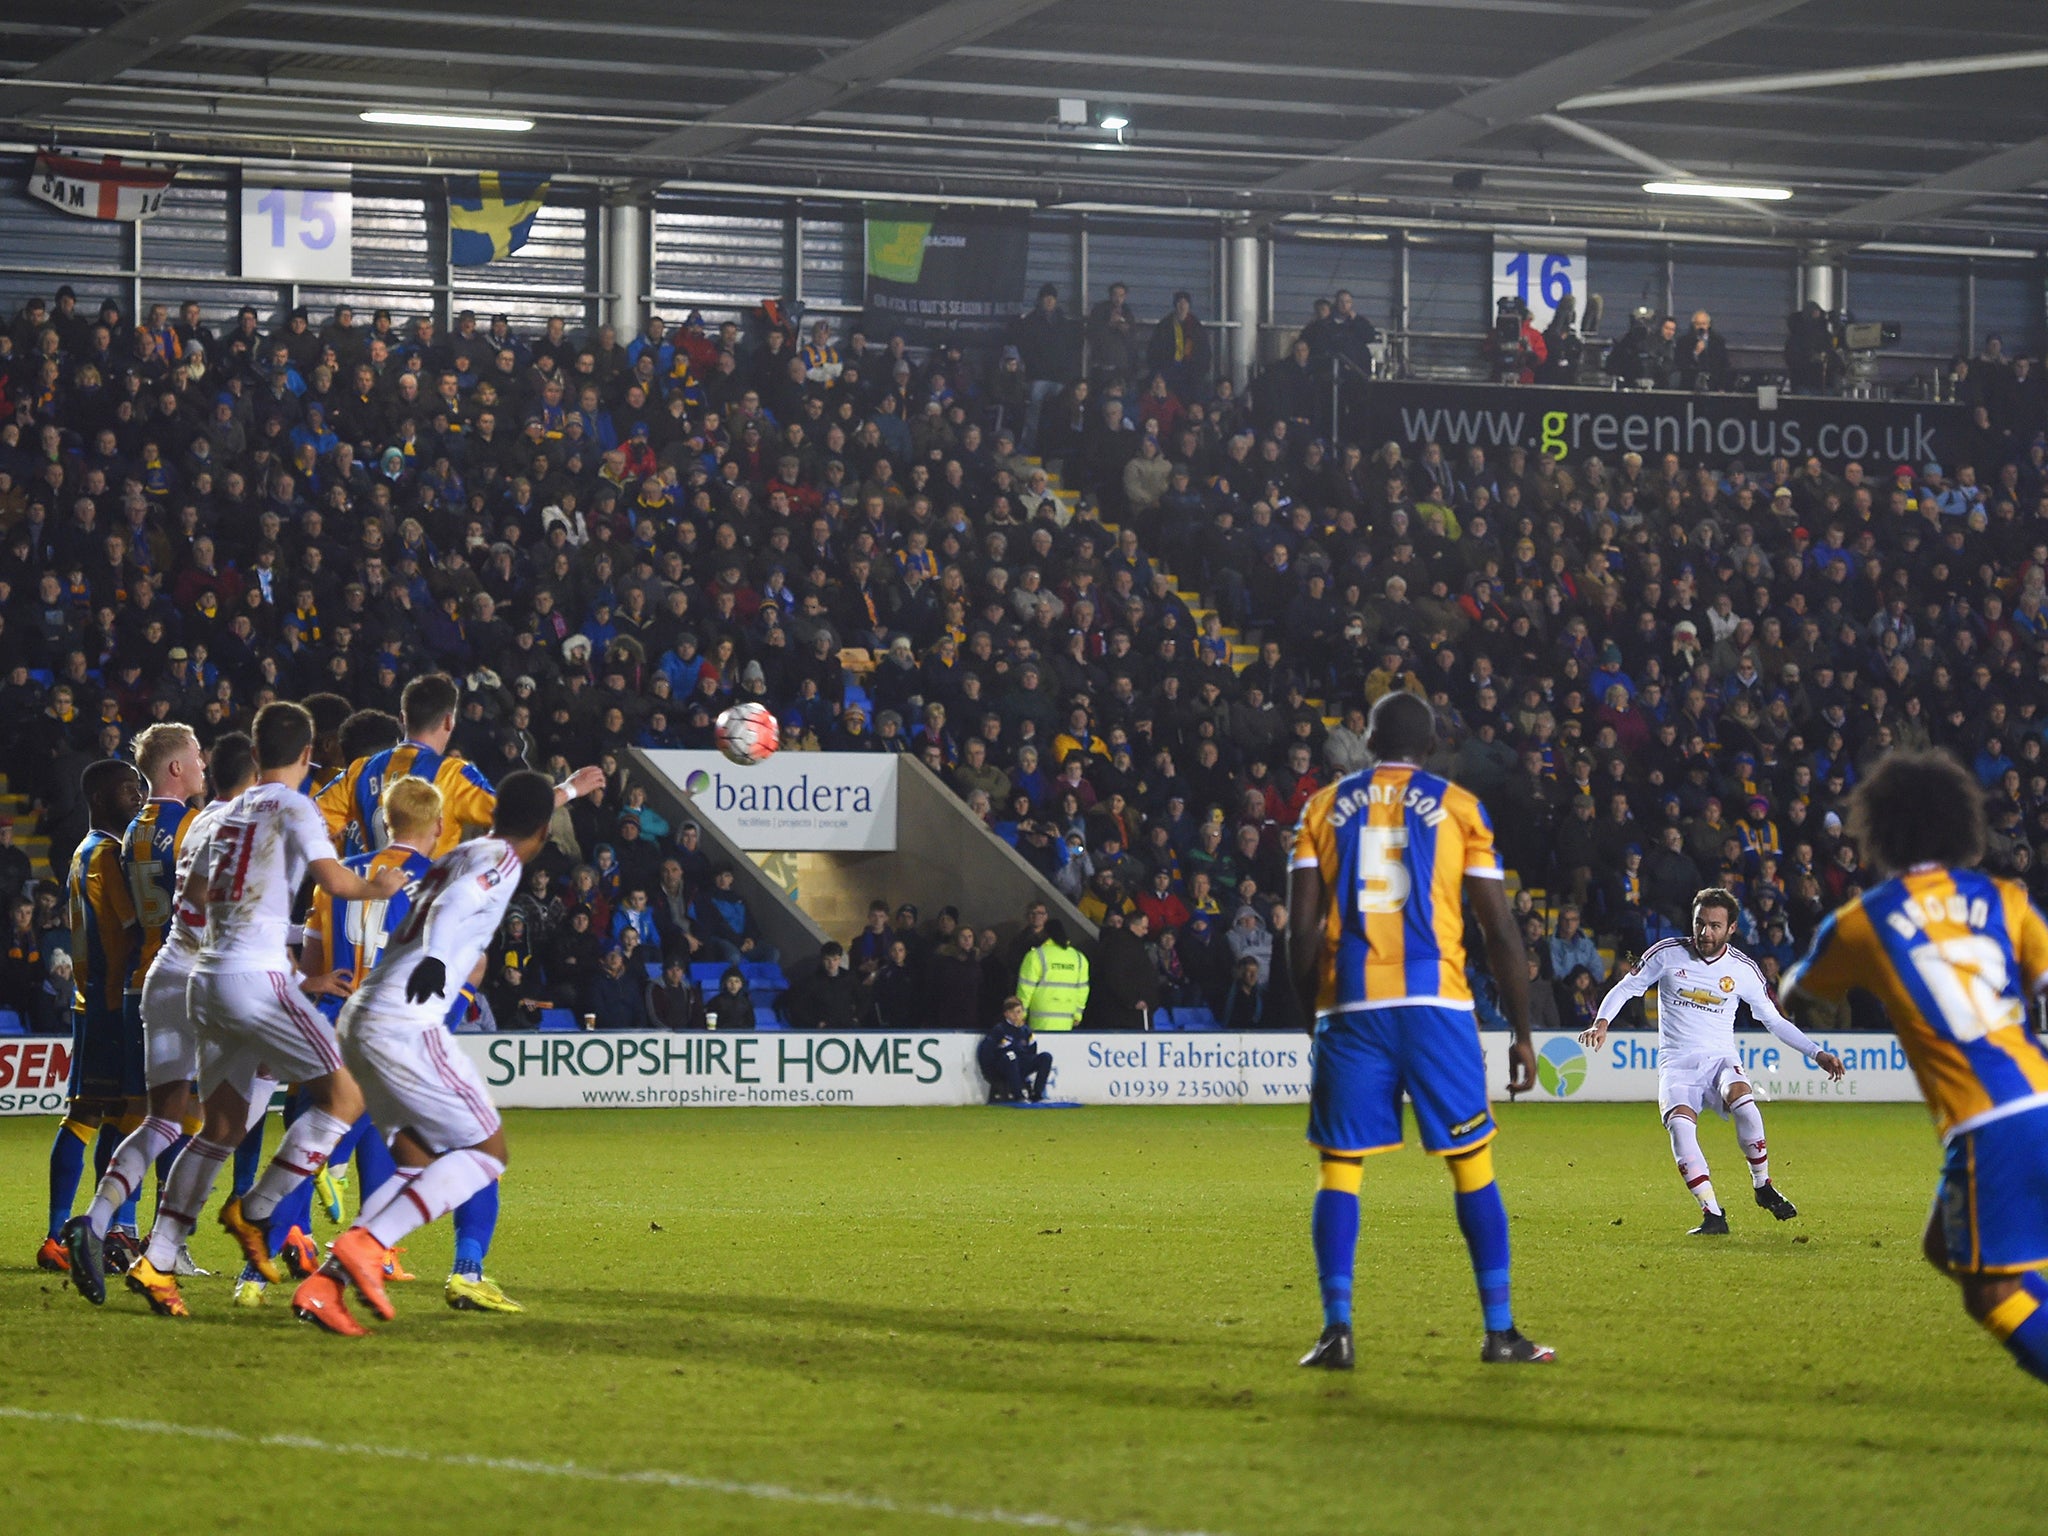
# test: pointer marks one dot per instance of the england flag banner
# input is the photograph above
(106, 187)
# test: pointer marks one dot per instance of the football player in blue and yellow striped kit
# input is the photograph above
(107, 1077)
(352, 802)
(1955, 956)
(1383, 860)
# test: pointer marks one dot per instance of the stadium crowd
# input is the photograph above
(1658, 674)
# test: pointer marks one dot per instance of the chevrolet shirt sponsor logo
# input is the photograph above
(1700, 997)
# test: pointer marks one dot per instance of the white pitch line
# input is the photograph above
(773, 1493)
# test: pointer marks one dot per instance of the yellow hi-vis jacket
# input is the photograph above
(1052, 984)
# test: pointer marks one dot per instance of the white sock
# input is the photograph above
(302, 1153)
(385, 1193)
(442, 1185)
(129, 1167)
(1692, 1163)
(183, 1198)
(1749, 1135)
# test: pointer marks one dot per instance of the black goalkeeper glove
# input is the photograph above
(428, 979)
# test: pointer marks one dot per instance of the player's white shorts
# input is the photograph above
(1698, 1084)
(254, 1025)
(414, 1079)
(170, 1043)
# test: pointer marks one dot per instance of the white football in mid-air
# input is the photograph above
(747, 733)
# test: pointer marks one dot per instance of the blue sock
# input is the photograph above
(110, 1137)
(1483, 1218)
(248, 1160)
(294, 1210)
(1335, 1228)
(2029, 1341)
(476, 1219)
(67, 1167)
(165, 1158)
(345, 1148)
(373, 1164)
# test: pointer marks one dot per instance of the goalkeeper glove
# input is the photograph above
(428, 979)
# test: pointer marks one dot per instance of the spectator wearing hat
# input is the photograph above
(616, 998)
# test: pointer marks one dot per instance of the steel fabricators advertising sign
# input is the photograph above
(943, 274)
(805, 802)
(1624, 1069)
(35, 1075)
(1573, 422)
(768, 1067)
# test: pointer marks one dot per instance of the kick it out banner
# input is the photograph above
(942, 274)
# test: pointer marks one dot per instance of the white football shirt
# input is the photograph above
(455, 911)
(187, 931)
(1696, 1002)
(255, 862)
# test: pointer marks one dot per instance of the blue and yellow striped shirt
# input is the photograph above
(1953, 955)
(149, 854)
(352, 802)
(1394, 845)
(103, 927)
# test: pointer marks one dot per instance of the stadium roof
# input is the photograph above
(1883, 117)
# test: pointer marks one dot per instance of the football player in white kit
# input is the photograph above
(430, 1101)
(1698, 985)
(170, 1042)
(254, 1028)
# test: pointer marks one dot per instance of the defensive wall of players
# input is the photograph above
(872, 1068)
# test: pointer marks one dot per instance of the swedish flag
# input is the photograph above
(490, 215)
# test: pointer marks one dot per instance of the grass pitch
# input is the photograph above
(1091, 1315)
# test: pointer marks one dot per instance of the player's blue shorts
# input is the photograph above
(1364, 1061)
(106, 1052)
(1992, 1202)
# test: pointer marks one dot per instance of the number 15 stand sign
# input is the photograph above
(297, 233)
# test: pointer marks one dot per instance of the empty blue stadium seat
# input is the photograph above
(1190, 1018)
(557, 1019)
(707, 976)
(760, 975)
(10, 1023)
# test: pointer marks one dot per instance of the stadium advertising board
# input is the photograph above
(767, 1067)
(34, 1075)
(1879, 433)
(806, 802)
(1625, 1069)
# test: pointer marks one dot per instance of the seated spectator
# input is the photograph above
(614, 998)
(725, 927)
(1011, 1060)
(731, 1006)
(827, 997)
(1571, 946)
(672, 998)
(1246, 1006)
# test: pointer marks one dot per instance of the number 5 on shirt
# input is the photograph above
(1383, 878)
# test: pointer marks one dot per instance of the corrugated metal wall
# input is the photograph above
(1307, 270)
(725, 255)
